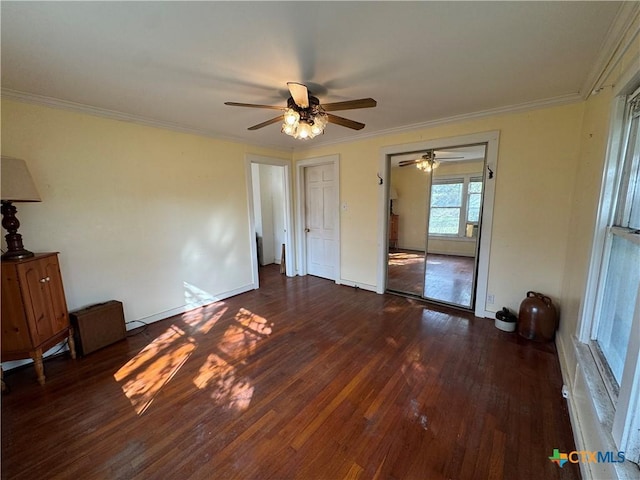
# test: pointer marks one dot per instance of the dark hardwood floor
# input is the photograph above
(299, 379)
(449, 278)
(405, 271)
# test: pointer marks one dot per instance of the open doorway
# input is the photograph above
(270, 214)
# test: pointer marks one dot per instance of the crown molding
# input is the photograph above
(518, 108)
(115, 115)
(620, 37)
(125, 117)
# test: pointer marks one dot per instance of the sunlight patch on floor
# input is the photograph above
(203, 319)
(227, 390)
(242, 336)
(144, 375)
(403, 258)
(218, 374)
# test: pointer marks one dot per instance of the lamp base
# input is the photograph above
(17, 255)
(15, 248)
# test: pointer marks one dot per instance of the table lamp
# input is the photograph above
(17, 186)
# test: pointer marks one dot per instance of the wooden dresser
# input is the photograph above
(34, 309)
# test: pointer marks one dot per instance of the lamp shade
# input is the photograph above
(393, 194)
(17, 184)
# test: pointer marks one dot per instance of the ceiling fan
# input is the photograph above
(426, 162)
(304, 117)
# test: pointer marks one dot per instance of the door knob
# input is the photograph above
(307, 230)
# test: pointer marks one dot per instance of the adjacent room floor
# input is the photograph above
(299, 379)
(447, 278)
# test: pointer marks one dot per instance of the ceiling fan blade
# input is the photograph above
(350, 104)
(345, 122)
(406, 163)
(253, 105)
(299, 93)
(438, 157)
(268, 122)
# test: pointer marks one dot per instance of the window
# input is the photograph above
(455, 206)
(612, 306)
(621, 272)
(475, 200)
(446, 204)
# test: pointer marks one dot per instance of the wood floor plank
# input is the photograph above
(299, 379)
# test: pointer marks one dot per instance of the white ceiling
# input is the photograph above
(176, 63)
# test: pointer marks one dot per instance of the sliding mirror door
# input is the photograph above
(407, 228)
(435, 223)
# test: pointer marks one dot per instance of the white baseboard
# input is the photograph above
(363, 286)
(190, 306)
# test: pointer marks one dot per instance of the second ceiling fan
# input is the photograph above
(304, 117)
(426, 162)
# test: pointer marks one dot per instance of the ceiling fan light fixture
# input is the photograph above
(304, 130)
(315, 129)
(304, 117)
(320, 119)
(427, 163)
(288, 129)
(304, 124)
(291, 117)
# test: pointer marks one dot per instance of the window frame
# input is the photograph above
(618, 407)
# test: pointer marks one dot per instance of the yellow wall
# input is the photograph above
(138, 214)
(538, 159)
(411, 206)
(137, 211)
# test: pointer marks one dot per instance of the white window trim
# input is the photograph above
(619, 416)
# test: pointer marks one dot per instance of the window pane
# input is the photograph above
(446, 195)
(475, 187)
(444, 221)
(634, 180)
(619, 300)
(473, 209)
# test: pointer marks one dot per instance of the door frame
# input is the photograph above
(300, 210)
(288, 213)
(492, 140)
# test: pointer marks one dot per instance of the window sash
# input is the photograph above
(620, 287)
(462, 206)
(628, 214)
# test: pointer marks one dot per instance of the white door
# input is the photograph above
(320, 229)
